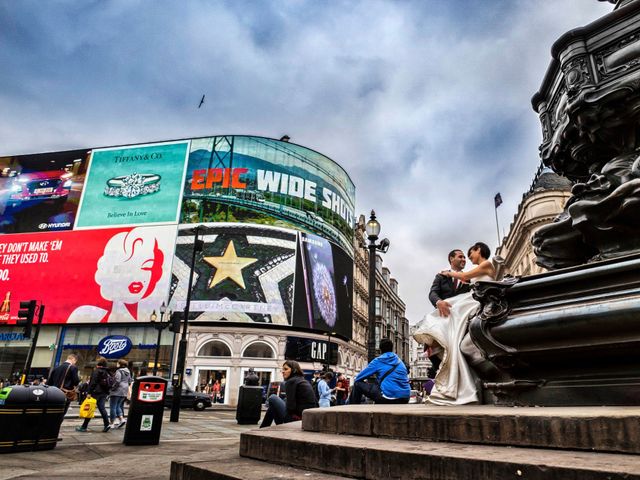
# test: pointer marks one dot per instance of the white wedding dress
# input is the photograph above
(454, 382)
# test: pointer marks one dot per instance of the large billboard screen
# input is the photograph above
(324, 274)
(269, 182)
(133, 185)
(41, 192)
(264, 275)
(87, 276)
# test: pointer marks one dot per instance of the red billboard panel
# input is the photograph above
(90, 276)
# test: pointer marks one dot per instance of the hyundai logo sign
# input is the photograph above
(114, 346)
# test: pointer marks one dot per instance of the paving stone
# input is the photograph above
(102, 456)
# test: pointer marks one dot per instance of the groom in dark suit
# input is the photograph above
(443, 288)
(447, 287)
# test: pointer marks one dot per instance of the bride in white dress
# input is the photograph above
(455, 382)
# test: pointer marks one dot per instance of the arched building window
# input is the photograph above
(214, 348)
(259, 350)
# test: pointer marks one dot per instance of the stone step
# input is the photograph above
(385, 458)
(235, 467)
(600, 429)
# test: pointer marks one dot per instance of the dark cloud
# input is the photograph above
(425, 104)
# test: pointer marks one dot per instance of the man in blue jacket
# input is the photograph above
(392, 380)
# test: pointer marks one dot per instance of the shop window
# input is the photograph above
(258, 350)
(214, 348)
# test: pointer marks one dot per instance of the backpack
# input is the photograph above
(107, 381)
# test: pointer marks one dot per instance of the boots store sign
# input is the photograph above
(114, 346)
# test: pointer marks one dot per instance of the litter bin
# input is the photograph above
(30, 416)
(144, 421)
(249, 405)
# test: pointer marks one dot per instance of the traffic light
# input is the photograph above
(174, 322)
(25, 316)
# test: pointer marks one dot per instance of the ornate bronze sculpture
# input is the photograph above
(589, 107)
(571, 336)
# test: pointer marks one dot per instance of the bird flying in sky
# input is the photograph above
(201, 101)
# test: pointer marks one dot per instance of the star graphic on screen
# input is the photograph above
(229, 265)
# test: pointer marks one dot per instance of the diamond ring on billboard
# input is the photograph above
(132, 186)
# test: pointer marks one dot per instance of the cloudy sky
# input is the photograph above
(425, 103)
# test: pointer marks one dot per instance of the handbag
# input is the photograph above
(88, 408)
(72, 395)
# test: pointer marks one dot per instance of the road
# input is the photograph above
(97, 455)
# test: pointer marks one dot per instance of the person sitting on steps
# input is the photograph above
(392, 379)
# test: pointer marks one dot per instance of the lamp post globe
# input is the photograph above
(372, 227)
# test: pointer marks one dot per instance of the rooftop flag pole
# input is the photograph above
(497, 201)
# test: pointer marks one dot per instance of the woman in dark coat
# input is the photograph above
(300, 396)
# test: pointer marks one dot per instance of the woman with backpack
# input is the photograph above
(119, 391)
(99, 387)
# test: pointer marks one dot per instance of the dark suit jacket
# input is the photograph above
(57, 376)
(442, 288)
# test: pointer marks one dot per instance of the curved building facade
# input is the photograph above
(104, 239)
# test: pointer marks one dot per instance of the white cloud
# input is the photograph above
(425, 104)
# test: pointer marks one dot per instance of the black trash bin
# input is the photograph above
(144, 420)
(30, 417)
(249, 405)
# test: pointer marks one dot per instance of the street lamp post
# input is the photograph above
(178, 374)
(328, 356)
(373, 230)
(160, 326)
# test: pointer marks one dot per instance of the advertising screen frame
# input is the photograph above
(294, 183)
(253, 179)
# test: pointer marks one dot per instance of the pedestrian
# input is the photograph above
(119, 391)
(251, 379)
(99, 387)
(300, 396)
(216, 391)
(324, 390)
(342, 389)
(223, 385)
(314, 383)
(392, 381)
(65, 377)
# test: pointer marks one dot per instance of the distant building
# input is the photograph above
(419, 363)
(390, 312)
(360, 295)
(545, 199)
